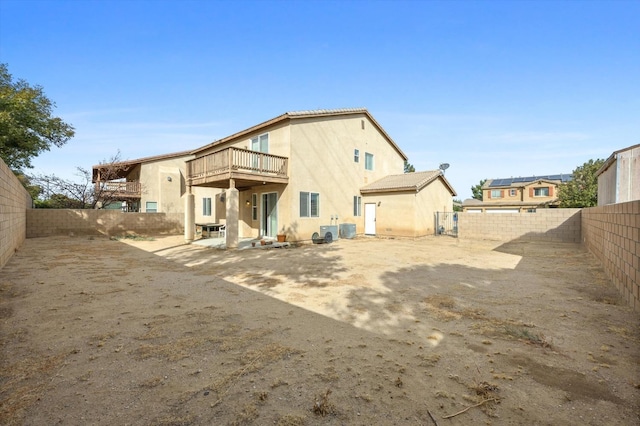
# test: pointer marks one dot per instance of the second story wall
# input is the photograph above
(163, 186)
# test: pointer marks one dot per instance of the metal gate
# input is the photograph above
(447, 223)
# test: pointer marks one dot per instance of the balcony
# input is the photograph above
(246, 168)
(119, 190)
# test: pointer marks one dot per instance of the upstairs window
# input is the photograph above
(356, 155)
(513, 192)
(496, 193)
(541, 192)
(260, 143)
(368, 161)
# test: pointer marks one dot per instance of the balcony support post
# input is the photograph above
(189, 215)
(233, 212)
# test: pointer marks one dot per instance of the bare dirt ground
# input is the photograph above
(359, 332)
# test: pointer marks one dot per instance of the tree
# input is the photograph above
(27, 126)
(408, 167)
(582, 190)
(83, 193)
(476, 190)
(457, 205)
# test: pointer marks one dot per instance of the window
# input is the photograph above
(260, 143)
(254, 206)
(356, 155)
(206, 207)
(541, 192)
(151, 207)
(309, 204)
(357, 205)
(368, 161)
(496, 193)
(513, 192)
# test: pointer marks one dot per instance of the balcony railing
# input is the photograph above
(239, 164)
(119, 189)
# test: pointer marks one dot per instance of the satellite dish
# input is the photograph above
(444, 166)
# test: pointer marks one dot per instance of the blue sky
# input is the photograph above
(495, 88)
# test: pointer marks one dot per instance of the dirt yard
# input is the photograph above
(359, 332)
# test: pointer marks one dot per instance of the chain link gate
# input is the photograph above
(447, 223)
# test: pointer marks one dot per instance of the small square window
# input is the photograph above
(513, 192)
(151, 207)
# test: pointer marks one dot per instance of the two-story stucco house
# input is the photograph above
(294, 174)
(520, 194)
(303, 170)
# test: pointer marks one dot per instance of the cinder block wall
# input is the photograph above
(49, 222)
(612, 234)
(559, 225)
(14, 203)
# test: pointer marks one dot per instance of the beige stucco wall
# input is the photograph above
(612, 234)
(322, 161)
(562, 225)
(410, 214)
(157, 187)
(15, 201)
(49, 222)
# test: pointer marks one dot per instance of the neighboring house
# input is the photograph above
(619, 177)
(406, 204)
(515, 195)
(149, 185)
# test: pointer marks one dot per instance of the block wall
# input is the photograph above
(50, 222)
(612, 234)
(558, 225)
(14, 203)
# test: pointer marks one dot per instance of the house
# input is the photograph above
(292, 175)
(150, 185)
(520, 194)
(407, 203)
(619, 177)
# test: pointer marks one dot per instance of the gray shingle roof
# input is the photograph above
(405, 182)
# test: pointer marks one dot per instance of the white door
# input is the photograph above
(370, 219)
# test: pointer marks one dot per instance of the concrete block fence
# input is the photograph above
(49, 222)
(557, 225)
(612, 234)
(14, 203)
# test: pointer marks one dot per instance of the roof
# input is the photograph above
(122, 167)
(148, 159)
(609, 161)
(523, 181)
(293, 115)
(406, 182)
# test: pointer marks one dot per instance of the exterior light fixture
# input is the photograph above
(169, 178)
